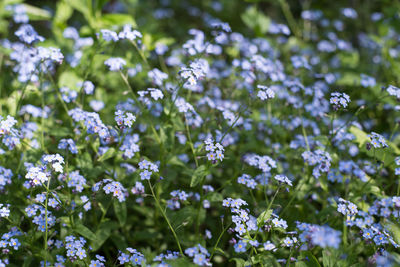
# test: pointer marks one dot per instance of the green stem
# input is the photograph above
(46, 221)
(166, 218)
(131, 89)
(219, 239)
(191, 143)
(233, 124)
(303, 130)
(141, 54)
(289, 17)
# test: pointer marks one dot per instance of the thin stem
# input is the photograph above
(141, 54)
(219, 238)
(46, 220)
(23, 92)
(191, 143)
(131, 89)
(233, 124)
(289, 17)
(303, 130)
(301, 183)
(166, 218)
(142, 108)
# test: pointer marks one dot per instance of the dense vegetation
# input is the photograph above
(183, 132)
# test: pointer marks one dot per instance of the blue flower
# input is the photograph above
(27, 34)
(109, 35)
(289, 242)
(200, 259)
(68, 144)
(283, 179)
(377, 140)
(380, 239)
(14, 243)
(123, 258)
(115, 64)
(136, 259)
(339, 100)
(240, 246)
(265, 92)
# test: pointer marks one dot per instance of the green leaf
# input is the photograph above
(103, 234)
(176, 161)
(182, 217)
(394, 230)
(60, 131)
(239, 262)
(63, 13)
(266, 260)
(222, 252)
(84, 161)
(36, 13)
(350, 59)
(120, 211)
(85, 232)
(111, 20)
(311, 260)
(361, 136)
(265, 215)
(198, 175)
(180, 262)
(385, 155)
(68, 79)
(214, 197)
(349, 79)
(109, 154)
(328, 259)
(256, 20)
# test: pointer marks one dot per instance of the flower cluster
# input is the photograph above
(244, 222)
(110, 186)
(339, 100)
(91, 120)
(9, 240)
(154, 93)
(247, 180)
(40, 175)
(177, 195)
(283, 179)
(75, 247)
(215, 150)
(38, 212)
(5, 177)
(317, 235)
(370, 230)
(75, 181)
(130, 146)
(126, 33)
(197, 70)
(68, 144)
(321, 160)
(377, 140)
(68, 95)
(147, 169)
(124, 119)
(199, 255)
(345, 207)
(394, 91)
(4, 210)
(9, 135)
(264, 163)
(115, 64)
(133, 256)
(265, 92)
